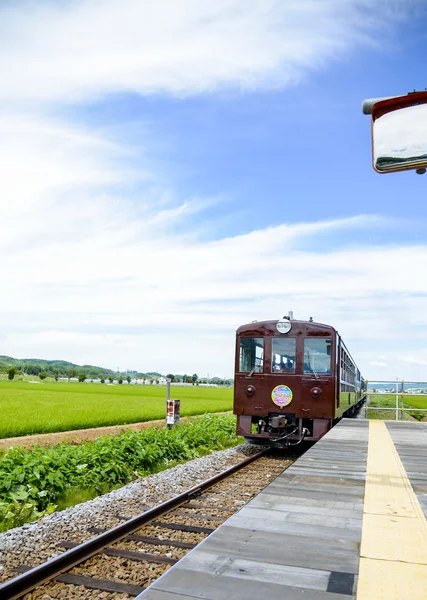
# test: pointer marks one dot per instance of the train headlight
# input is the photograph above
(316, 392)
(250, 390)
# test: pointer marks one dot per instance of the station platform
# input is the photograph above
(346, 520)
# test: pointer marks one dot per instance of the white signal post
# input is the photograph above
(397, 399)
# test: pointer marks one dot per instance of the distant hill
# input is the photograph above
(62, 368)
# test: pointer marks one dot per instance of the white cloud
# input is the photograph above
(91, 276)
(415, 360)
(378, 364)
(76, 50)
(102, 287)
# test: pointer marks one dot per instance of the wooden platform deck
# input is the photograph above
(338, 524)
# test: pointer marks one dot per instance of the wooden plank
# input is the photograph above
(265, 468)
(103, 585)
(204, 561)
(203, 517)
(411, 445)
(206, 506)
(137, 556)
(301, 529)
(151, 540)
(325, 511)
(179, 527)
(299, 551)
(140, 556)
(241, 520)
(183, 585)
(153, 594)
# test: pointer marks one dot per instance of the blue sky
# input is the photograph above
(170, 171)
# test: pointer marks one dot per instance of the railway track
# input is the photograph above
(123, 561)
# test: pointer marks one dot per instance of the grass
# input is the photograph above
(72, 497)
(416, 401)
(389, 401)
(28, 408)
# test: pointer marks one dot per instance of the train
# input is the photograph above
(293, 381)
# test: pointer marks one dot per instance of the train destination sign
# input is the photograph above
(283, 326)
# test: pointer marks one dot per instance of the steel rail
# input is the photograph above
(26, 582)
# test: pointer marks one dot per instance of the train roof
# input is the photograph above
(308, 328)
(270, 327)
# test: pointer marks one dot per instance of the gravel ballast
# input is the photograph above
(34, 543)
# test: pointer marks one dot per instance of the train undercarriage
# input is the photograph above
(286, 429)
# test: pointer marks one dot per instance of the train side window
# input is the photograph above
(283, 353)
(251, 355)
(317, 355)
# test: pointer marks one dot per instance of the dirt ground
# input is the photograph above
(79, 435)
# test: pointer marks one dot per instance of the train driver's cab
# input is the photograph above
(315, 350)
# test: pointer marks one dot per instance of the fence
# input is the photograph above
(405, 399)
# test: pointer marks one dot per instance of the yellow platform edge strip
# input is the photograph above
(393, 555)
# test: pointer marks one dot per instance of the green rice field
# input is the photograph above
(406, 401)
(31, 408)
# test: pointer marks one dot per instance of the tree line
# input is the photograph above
(61, 368)
(56, 369)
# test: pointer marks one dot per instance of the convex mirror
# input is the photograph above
(399, 133)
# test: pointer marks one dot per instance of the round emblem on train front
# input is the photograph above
(283, 326)
(281, 395)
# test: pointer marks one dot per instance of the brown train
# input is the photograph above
(293, 381)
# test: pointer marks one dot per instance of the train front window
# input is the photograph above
(251, 355)
(317, 356)
(283, 355)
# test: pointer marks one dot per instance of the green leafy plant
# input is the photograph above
(33, 482)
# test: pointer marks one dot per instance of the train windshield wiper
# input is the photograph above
(252, 372)
(311, 366)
